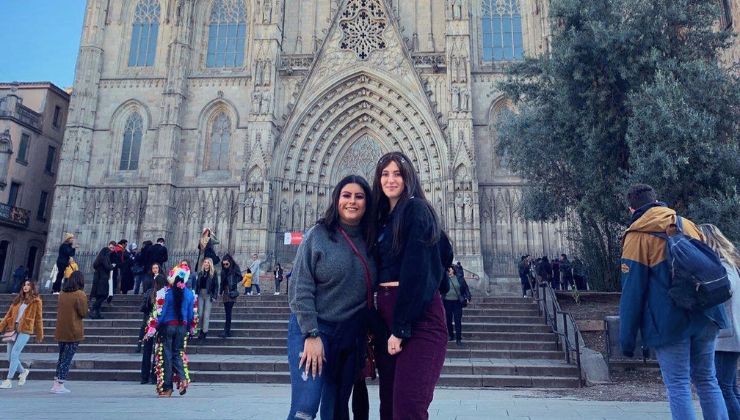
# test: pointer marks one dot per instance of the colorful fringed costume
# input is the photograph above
(154, 325)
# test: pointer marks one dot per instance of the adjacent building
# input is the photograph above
(32, 121)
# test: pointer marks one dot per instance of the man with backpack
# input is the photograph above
(668, 295)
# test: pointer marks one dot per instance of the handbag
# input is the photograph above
(460, 298)
(369, 370)
(10, 336)
(233, 294)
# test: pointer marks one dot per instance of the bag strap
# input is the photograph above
(368, 277)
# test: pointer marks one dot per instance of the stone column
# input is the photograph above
(74, 163)
(463, 219)
(159, 217)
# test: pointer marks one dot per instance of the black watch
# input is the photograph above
(313, 333)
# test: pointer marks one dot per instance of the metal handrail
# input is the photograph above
(550, 310)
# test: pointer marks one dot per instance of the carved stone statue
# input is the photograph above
(459, 207)
(267, 11)
(256, 102)
(257, 218)
(455, 98)
(464, 100)
(284, 214)
(456, 6)
(468, 203)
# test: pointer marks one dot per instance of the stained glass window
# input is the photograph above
(501, 24)
(227, 33)
(132, 134)
(144, 34)
(218, 151)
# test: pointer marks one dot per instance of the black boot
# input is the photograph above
(138, 347)
(205, 335)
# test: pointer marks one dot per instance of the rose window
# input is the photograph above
(363, 23)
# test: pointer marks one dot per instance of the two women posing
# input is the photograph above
(334, 276)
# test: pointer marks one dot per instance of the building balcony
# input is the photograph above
(12, 108)
(14, 216)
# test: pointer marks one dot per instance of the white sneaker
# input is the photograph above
(276, 293)
(249, 293)
(55, 293)
(259, 294)
(6, 384)
(58, 388)
(22, 377)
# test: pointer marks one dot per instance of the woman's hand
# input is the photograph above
(312, 356)
(394, 345)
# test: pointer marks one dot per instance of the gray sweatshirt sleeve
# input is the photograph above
(303, 284)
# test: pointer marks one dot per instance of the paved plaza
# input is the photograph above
(126, 400)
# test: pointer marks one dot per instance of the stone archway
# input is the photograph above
(345, 129)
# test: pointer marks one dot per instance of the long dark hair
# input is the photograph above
(331, 215)
(74, 283)
(411, 189)
(179, 295)
(24, 297)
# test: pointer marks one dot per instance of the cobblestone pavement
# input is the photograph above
(122, 400)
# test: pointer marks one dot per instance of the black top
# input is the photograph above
(65, 251)
(417, 267)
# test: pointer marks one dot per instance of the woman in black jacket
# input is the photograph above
(231, 275)
(410, 271)
(66, 250)
(100, 287)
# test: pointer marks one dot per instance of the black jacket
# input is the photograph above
(102, 266)
(417, 267)
(229, 278)
(158, 254)
(211, 284)
(65, 251)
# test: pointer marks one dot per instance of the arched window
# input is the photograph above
(144, 34)
(227, 32)
(218, 145)
(132, 132)
(501, 24)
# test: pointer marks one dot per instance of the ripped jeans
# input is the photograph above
(343, 343)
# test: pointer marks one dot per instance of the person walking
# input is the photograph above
(255, 268)
(327, 331)
(727, 348)
(410, 271)
(127, 272)
(454, 301)
(278, 274)
(69, 331)
(174, 320)
(544, 270)
(230, 277)
(206, 286)
(23, 319)
(101, 287)
(66, 250)
(147, 309)
(683, 340)
(524, 274)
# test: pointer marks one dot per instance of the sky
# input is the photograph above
(40, 40)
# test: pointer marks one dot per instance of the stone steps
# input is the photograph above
(506, 344)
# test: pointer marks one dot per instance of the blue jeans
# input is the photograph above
(692, 360)
(333, 387)
(173, 342)
(14, 354)
(726, 364)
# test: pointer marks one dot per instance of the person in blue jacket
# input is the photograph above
(683, 340)
(175, 319)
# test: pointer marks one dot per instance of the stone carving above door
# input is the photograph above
(362, 24)
(359, 159)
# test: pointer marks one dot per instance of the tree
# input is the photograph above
(632, 91)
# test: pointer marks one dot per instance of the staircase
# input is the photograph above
(506, 344)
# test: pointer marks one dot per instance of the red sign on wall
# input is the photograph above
(293, 238)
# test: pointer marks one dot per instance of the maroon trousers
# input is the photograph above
(407, 380)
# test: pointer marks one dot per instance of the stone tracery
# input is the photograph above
(363, 23)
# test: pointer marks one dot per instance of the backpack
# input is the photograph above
(698, 279)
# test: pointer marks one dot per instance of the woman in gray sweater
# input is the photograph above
(727, 348)
(328, 293)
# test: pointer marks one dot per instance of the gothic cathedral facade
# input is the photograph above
(241, 115)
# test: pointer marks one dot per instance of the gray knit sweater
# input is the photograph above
(328, 280)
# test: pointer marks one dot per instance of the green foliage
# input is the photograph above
(631, 92)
